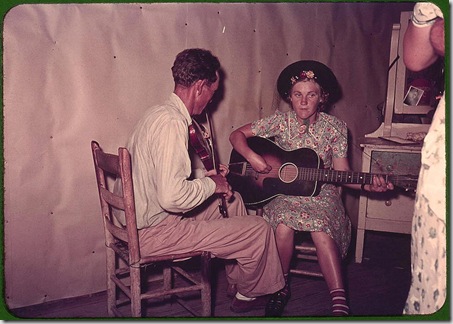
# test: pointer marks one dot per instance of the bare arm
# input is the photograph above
(418, 52)
(238, 139)
(424, 42)
(437, 37)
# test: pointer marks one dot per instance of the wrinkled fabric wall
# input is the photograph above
(73, 73)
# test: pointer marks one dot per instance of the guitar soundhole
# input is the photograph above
(288, 172)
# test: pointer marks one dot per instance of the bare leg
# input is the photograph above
(329, 259)
(284, 237)
(330, 262)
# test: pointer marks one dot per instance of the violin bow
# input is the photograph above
(222, 203)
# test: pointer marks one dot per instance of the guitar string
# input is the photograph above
(313, 174)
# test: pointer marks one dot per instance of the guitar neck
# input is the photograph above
(328, 175)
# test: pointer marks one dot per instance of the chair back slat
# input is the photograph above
(108, 162)
(116, 231)
(112, 199)
(118, 166)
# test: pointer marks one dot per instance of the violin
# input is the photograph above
(201, 142)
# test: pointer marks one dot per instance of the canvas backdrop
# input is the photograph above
(74, 73)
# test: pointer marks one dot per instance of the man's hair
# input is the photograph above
(195, 64)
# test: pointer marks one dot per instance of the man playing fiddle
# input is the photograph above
(177, 214)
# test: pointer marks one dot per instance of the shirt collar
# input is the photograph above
(315, 130)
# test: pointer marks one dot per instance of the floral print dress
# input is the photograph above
(428, 290)
(325, 212)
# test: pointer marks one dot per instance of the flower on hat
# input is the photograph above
(303, 75)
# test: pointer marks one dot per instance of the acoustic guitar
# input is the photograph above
(298, 172)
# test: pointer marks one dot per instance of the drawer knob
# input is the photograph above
(388, 202)
(389, 168)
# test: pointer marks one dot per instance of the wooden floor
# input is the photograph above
(377, 287)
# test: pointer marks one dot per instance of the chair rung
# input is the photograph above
(122, 286)
(170, 292)
(195, 287)
(182, 260)
(116, 312)
(307, 257)
(122, 271)
(186, 305)
(305, 248)
(185, 274)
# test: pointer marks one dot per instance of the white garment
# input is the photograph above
(160, 159)
(428, 290)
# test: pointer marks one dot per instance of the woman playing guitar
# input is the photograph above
(308, 87)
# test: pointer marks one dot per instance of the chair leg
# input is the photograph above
(136, 302)
(360, 240)
(111, 286)
(167, 276)
(206, 283)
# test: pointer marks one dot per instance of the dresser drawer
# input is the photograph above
(398, 204)
(395, 162)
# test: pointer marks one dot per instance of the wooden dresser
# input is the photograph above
(390, 211)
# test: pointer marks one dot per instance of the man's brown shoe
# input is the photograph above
(242, 306)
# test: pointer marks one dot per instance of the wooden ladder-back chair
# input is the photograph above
(305, 250)
(123, 244)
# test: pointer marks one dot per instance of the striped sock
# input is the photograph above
(339, 303)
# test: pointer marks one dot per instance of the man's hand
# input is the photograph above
(222, 186)
(223, 170)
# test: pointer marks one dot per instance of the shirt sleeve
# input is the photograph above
(269, 126)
